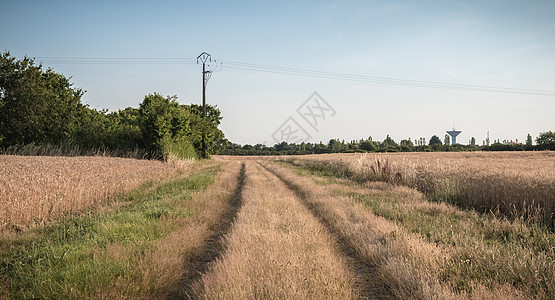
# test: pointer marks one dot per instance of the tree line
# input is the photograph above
(39, 106)
(545, 141)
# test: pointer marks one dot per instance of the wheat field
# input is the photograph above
(35, 189)
(342, 226)
(517, 184)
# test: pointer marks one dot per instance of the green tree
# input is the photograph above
(407, 143)
(473, 142)
(91, 128)
(368, 145)
(447, 140)
(388, 141)
(36, 105)
(205, 135)
(434, 140)
(336, 146)
(528, 140)
(546, 140)
(165, 127)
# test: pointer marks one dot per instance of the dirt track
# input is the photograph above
(283, 244)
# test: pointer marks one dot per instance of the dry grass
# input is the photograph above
(34, 189)
(516, 184)
(408, 265)
(276, 250)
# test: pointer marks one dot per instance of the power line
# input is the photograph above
(301, 72)
(382, 80)
(114, 60)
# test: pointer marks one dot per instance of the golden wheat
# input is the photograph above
(36, 189)
(519, 184)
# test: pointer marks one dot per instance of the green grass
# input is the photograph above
(484, 248)
(79, 255)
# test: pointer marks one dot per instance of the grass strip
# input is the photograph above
(80, 255)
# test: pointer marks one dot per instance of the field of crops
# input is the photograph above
(386, 226)
(34, 189)
(518, 184)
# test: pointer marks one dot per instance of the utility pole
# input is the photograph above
(206, 59)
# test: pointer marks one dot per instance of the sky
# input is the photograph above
(308, 70)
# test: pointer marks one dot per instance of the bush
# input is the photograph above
(180, 148)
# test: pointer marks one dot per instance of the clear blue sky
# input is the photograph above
(508, 44)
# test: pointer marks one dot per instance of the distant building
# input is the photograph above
(453, 133)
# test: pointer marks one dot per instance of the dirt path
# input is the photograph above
(277, 249)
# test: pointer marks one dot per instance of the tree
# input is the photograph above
(528, 140)
(546, 140)
(434, 140)
(36, 105)
(206, 136)
(368, 146)
(407, 143)
(388, 141)
(166, 127)
(101, 129)
(447, 140)
(473, 142)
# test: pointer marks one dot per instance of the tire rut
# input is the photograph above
(364, 270)
(214, 246)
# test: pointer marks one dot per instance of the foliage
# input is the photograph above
(35, 105)
(162, 122)
(367, 145)
(41, 107)
(388, 141)
(435, 140)
(546, 140)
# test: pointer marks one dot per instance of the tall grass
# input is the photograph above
(518, 185)
(69, 149)
(180, 149)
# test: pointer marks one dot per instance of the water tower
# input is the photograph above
(453, 133)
